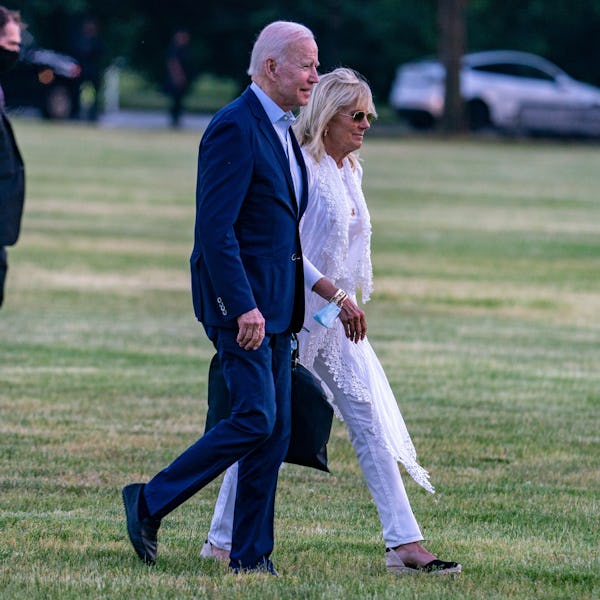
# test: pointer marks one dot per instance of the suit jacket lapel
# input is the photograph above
(268, 130)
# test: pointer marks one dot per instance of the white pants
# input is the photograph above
(379, 469)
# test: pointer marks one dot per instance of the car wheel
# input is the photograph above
(58, 103)
(417, 119)
(478, 115)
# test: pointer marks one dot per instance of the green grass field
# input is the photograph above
(485, 316)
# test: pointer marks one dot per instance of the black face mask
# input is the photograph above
(8, 58)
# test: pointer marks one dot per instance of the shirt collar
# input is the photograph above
(274, 112)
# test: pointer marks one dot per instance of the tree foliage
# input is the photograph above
(372, 36)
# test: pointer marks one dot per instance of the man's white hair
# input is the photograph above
(274, 41)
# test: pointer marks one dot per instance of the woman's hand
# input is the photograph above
(351, 316)
(354, 321)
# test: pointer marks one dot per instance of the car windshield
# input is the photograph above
(515, 70)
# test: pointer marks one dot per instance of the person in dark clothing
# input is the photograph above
(179, 73)
(88, 49)
(12, 172)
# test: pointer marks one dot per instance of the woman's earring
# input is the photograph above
(325, 133)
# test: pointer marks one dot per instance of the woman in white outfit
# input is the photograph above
(336, 234)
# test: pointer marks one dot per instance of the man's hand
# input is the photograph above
(251, 329)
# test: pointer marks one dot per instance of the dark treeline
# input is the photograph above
(373, 36)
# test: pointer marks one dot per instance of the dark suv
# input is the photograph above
(45, 80)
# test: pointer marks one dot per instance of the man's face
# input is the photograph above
(10, 37)
(295, 76)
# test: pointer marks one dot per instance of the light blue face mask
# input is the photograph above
(327, 315)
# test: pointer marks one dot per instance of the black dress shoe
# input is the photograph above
(142, 532)
(264, 566)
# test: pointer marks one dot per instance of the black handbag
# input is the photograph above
(312, 415)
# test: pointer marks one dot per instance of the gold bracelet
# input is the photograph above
(339, 297)
(338, 294)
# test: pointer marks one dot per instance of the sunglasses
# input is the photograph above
(359, 115)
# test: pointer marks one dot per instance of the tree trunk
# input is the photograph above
(452, 33)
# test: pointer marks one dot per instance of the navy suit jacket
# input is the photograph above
(247, 251)
(12, 184)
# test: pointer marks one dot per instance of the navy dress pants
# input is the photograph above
(257, 434)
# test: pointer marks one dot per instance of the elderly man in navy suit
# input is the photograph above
(247, 288)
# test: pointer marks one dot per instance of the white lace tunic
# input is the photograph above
(336, 238)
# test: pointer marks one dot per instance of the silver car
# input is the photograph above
(512, 91)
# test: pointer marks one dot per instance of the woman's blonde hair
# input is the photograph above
(338, 90)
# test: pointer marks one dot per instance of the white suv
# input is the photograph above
(509, 90)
